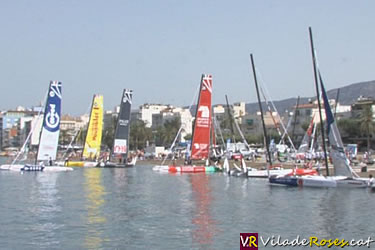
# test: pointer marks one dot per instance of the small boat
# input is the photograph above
(48, 137)
(121, 139)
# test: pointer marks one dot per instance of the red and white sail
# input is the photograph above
(200, 146)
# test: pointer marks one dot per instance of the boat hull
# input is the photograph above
(34, 168)
(86, 164)
(264, 173)
(186, 169)
(284, 180)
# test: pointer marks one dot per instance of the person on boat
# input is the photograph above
(371, 180)
(317, 166)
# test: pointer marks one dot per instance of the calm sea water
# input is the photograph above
(137, 208)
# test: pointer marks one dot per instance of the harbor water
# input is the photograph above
(137, 208)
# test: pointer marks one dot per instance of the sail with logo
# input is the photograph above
(200, 146)
(91, 149)
(49, 135)
(120, 151)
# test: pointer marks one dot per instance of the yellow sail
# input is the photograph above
(91, 151)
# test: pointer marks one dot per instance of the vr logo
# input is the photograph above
(248, 241)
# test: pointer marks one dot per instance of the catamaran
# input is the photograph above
(200, 146)
(119, 156)
(48, 137)
(344, 176)
(91, 151)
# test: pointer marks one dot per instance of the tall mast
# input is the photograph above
(87, 128)
(230, 118)
(318, 98)
(295, 118)
(44, 115)
(261, 114)
(196, 114)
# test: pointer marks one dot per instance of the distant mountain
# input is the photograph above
(348, 95)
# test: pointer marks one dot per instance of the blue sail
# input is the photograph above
(49, 136)
(340, 161)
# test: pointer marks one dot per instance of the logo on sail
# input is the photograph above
(207, 83)
(203, 118)
(120, 146)
(127, 96)
(52, 117)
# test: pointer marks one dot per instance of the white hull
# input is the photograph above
(264, 174)
(19, 167)
(161, 168)
(332, 181)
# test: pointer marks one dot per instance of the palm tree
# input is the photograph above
(170, 130)
(367, 124)
(139, 134)
(109, 133)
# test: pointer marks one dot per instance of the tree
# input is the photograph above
(139, 134)
(348, 128)
(109, 133)
(165, 134)
(367, 124)
(64, 137)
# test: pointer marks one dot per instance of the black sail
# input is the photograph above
(121, 138)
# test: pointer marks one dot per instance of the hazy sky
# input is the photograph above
(160, 48)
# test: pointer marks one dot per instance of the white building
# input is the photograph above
(171, 113)
(147, 110)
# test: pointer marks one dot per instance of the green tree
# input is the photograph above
(109, 133)
(367, 124)
(348, 128)
(139, 134)
(164, 135)
(63, 137)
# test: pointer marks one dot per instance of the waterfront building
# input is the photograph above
(171, 113)
(360, 104)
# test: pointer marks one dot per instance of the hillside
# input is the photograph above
(348, 95)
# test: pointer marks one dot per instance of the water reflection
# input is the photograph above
(95, 200)
(119, 177)
(45, 208)
(205, 225)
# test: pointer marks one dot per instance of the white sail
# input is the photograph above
(337, 153)
(51, 124)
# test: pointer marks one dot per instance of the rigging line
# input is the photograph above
(241, 134)
(274, 107)
(31, 131)
(218, 128)
(180, 129)
(287, 127)
(75, 135)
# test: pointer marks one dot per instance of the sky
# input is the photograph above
(160, 48)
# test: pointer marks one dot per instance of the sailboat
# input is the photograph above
(91, 150)
(270, 169)
(200, 146)
(120, 149)
(344, 176)
(48, 137)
